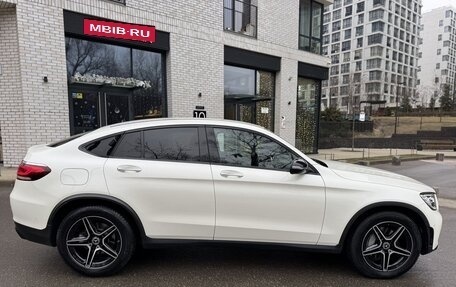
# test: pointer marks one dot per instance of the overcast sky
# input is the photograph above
(431, 4)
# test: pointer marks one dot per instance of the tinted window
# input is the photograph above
(172, 144)
(102, 147)
(129, 146)
(247, 149)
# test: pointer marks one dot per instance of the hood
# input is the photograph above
(373, 175)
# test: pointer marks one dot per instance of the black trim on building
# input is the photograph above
(312, 71)
(249, 59)
(74, 26)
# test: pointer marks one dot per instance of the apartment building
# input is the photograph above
(373, 46)
(437, 53)
(68, 67)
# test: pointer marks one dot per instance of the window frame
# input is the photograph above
(310, 37)
(202, 143)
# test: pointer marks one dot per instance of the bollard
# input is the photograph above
(439, 156)
(396, 160)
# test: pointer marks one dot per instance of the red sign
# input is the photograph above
(119, 30)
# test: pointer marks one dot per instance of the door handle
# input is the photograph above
(128, 168)
(233, 173)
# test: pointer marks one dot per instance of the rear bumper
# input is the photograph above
(42, 236)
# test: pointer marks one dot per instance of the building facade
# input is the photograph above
(437, 54)
(373, 46)
(67, 67)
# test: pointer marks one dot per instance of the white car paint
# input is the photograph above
(193, 201)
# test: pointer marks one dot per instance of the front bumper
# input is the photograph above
(42, 236)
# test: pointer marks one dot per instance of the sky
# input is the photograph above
(431, 4)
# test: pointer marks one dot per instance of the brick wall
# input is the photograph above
(11, 104)
(42, 54)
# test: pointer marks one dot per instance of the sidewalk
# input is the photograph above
(366, 153)
(7, 174)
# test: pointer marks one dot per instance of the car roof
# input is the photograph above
(139, 124)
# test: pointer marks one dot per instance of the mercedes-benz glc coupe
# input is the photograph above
(99, 195)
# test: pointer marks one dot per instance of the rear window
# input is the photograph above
(102, 147)
(64, 141)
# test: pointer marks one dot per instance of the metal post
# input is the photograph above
(353, 132)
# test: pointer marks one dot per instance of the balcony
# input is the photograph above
(240, 17)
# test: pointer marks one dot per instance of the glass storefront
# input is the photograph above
(249, 96)
(110, 84)
(307, 109)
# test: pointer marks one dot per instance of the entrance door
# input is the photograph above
(243, 111)
(252, 111)
(117, 108)
(84, 110)
(93, 107)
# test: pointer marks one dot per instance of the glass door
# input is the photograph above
(84, 107)
(240, 111)
(94, 106)
(117, 108)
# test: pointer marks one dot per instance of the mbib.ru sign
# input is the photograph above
(119, 30)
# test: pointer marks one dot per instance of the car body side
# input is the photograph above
(345, 200)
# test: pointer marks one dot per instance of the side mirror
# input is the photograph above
(299, 166)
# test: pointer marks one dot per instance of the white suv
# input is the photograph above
(99, 195)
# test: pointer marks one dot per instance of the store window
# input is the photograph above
(109, 84)
(249, 96)
(307, 113)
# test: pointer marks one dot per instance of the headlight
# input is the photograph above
(431, 200)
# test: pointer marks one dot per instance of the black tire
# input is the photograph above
(369, 254)
(95, 240)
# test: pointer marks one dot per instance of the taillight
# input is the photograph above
(30, 172)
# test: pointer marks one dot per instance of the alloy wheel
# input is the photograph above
(387, 246)
(93, 242)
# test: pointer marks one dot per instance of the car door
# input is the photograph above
(257, 199)
(164, 175)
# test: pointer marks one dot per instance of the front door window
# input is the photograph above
(247, 149)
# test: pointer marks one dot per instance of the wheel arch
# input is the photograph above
(71, 203)
(409, 210)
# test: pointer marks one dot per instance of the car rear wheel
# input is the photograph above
(95, 240)
(385, 245)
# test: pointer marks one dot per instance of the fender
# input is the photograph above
(415, 213)
(95, 199)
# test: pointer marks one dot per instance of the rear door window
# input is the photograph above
(179, 144)
(130, 146)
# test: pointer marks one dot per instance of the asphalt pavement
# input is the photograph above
(24, 263)
(441, 174)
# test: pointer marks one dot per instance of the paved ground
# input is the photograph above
(434, 173)
(347, 153)
(28, 264)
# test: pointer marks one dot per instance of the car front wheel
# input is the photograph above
(95, 240)
(385, 245)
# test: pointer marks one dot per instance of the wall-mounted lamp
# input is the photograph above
(45, 79)
(289, 103)
(199, 95)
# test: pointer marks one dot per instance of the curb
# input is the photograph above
(373, 161)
